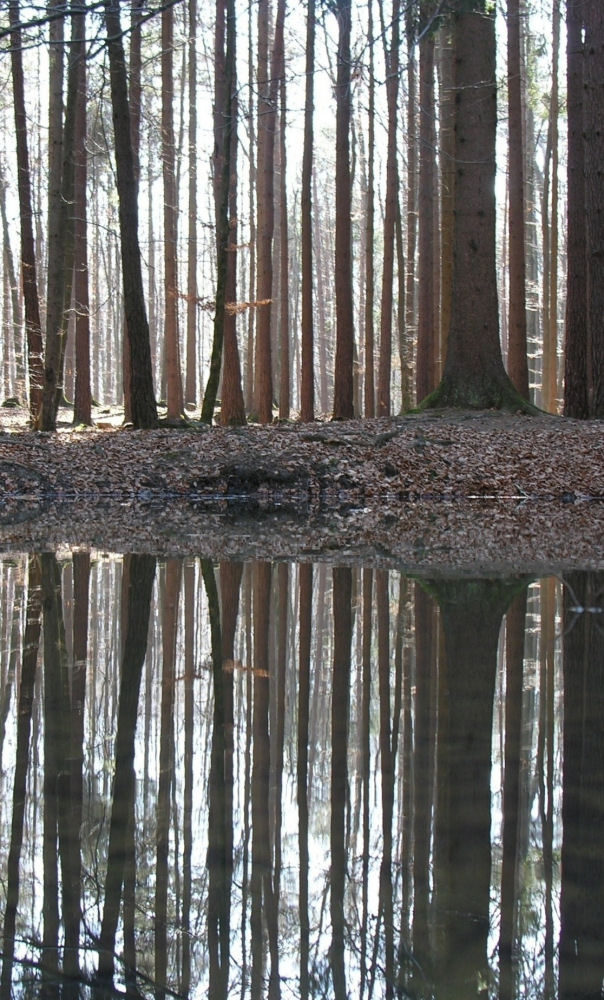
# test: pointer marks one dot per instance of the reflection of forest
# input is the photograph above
(273, 780)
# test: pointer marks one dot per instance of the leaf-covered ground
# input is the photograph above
(463, 492)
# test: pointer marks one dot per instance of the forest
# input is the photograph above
(241, 211)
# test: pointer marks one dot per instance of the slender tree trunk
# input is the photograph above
(16, 318)
(307, 388)
(594, 197)
(412, 178)
(284, 388)
(263, 387)
(171, 334)
(82, 411)
(191, 357)
(144, 410)
(343, 388)
(426, 328)
(576, 350)
(392, 69)
(517, 352)
(28, 252)
(369, 384)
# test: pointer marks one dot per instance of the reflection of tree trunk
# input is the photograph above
(515, 624)
(187, 853)
(73, 767)
(173, 574)
(15, 642)
(545, 766)
(302, 777)
(31, 640)
(277, 775)
(471, 613)
(425, 645)
(342, 626)
(387, 758)
(142, 572)
(366, 757)
(54, 754)
(582, 895)
(260, 880)
(220, 825)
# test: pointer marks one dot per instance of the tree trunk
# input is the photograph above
(369, 383)
(284, 386)
(576, 350)
(172, 344)
(343, 394)
(594, 197)
(82, 411)
(474, 376)
(426, 321)
(144, 410)
(28, 251)
(263, 387)
(191, 353)
(517, 354)
(385, 366)
(307, 387)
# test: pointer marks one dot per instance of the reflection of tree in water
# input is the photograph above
(582, 899)
(371, 873)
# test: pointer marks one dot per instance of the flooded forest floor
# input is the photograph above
(442, 491)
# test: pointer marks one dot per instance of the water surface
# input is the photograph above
(287, 780)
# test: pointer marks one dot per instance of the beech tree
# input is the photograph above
(474, 375)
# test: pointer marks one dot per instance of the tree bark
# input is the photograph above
(307, 387)
(171, 334)
(343, 388)
(385, 365)
(82, 411)
(517, 355)
(144, 409)
(594, 197)
(426, 320)
(474, 376)
(576, 351)
(28, 251)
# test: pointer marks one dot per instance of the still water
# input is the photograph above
(298, 781)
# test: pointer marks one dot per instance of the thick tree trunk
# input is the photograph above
(474, 376)
(144, 410)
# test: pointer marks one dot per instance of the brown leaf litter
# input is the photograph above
(448, 491)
